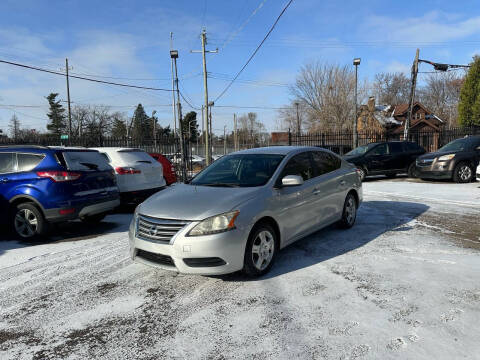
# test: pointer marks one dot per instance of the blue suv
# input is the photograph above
(42, 185)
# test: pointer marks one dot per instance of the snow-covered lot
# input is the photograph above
(404, 283)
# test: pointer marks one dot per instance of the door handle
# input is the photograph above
(316, 191)
(342, 183)
(4, 180)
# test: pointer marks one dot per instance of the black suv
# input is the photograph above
(385, 158)
(457, 160)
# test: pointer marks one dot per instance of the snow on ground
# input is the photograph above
(403, 283)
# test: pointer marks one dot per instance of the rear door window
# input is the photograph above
(85, 160)
(299, 165)
(325, 162)
(8, 163)
(395, 148)
(28, 162)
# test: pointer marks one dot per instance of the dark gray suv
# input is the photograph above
(457, 161)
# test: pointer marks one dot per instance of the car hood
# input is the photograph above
(436, 154)
(189, 202)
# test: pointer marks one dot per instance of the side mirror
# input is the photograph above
(292, 180)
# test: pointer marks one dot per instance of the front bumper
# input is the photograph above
(205, 255)
(434, 170)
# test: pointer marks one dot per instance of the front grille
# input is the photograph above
(156, 258)
(158, 230)
(425, 162)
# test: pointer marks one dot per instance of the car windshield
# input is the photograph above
(239, 170)
(361, 149)
(455, 145)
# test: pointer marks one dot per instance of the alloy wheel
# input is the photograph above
(465, 173)
(26, 223)
(263, 249)
(350, 210)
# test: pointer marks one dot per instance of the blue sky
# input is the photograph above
(131, 39)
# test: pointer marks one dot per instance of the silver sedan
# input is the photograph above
(241, 210)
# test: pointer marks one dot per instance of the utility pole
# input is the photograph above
(224, 139)
(174, 56)
(203, 51)
(69, 109)
(408, 121)
(235, 138)
(210, 105)
(298, 119)
(174, 110)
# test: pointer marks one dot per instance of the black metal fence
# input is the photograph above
(342, 142)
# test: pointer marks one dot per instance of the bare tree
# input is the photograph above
(14, 127)
(441, 94)
(327, 92)
(250, 130)
(288, 116)
(391, 88)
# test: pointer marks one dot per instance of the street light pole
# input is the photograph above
(174, 106)
(174, 56)
(356, 62)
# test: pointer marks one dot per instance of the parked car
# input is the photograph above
(168, 169)
(138, 174)
(241, 210)
(42, 185)
(385, 158)
(457, 161)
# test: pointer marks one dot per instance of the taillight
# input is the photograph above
(59, 176)
(127, 170)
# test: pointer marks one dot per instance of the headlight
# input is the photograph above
(446, 157)
(215, 224)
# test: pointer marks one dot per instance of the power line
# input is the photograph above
(256, 50)
(81, 77)
(230, 37)
(193, 107)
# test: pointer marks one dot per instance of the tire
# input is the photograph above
(362, 172)
(261, 250)
(349, 213)
(93, 219)
(412, 170)
(28, 221)
(463, 173)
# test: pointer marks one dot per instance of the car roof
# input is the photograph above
(118, 149)
(279, 150)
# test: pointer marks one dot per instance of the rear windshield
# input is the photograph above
(135, 156)
(85, 160)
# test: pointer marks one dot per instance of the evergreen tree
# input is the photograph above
(141, 128)
(189, 121)
(119, 127)
(469, 105)
(56, 115)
